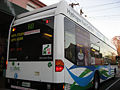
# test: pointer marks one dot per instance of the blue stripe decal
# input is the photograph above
(81, 81)
(84, 81)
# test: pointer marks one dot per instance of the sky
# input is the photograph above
(103, 14)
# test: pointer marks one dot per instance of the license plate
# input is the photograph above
(26, 84)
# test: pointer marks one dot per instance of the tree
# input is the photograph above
(116, 42)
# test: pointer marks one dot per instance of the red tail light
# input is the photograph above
(59, 65)
(47, 21)
(6, 64)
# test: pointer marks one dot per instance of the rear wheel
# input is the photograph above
(114, 73)
(96, 82)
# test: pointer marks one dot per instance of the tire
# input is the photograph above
(96, 81)
(114, 73)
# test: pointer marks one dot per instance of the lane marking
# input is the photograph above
(112, 84)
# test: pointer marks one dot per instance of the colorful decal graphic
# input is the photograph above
(15, 75)
(81, 81)
(46, 49)
(85, 78)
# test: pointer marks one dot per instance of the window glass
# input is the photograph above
(83, 48)
(32, 40)
(101, 52)
(77, 42)
(96, 51)
(70, 43)
(83, 44)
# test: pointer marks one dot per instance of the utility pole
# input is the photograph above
(73, 4)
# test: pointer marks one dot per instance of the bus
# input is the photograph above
(55, 48)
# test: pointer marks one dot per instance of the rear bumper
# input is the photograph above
(18, 84)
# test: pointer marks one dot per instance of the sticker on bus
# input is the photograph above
(32, 32)
(46, 49)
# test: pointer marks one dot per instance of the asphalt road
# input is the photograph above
(111, 84)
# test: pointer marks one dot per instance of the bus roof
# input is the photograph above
(63, 8)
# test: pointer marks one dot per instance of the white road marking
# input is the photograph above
(112, 85)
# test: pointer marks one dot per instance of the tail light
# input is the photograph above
(63, 86)
(6, 64)
(59, 65)
(13, 29)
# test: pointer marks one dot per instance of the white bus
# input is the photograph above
(55, 48)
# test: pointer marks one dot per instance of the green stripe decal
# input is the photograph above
(104, 72)
(73, 86)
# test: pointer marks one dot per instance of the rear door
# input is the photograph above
(31, 50)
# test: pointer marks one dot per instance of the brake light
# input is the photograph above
(59, 68)
(47, 21)
(6, 64)
(59, 65)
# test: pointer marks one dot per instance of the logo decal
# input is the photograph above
(15, 75)
(49, 64)
(46, 49)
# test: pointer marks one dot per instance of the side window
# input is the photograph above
(70, 44)
(96, 56)
(82, 47)
(96, 51)
(107, 54)
(77, 43)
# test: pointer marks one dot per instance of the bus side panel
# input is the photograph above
(59, 46)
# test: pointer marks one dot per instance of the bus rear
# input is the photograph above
(30, 58)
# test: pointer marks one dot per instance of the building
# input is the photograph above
(8, 9)
(28, 4)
